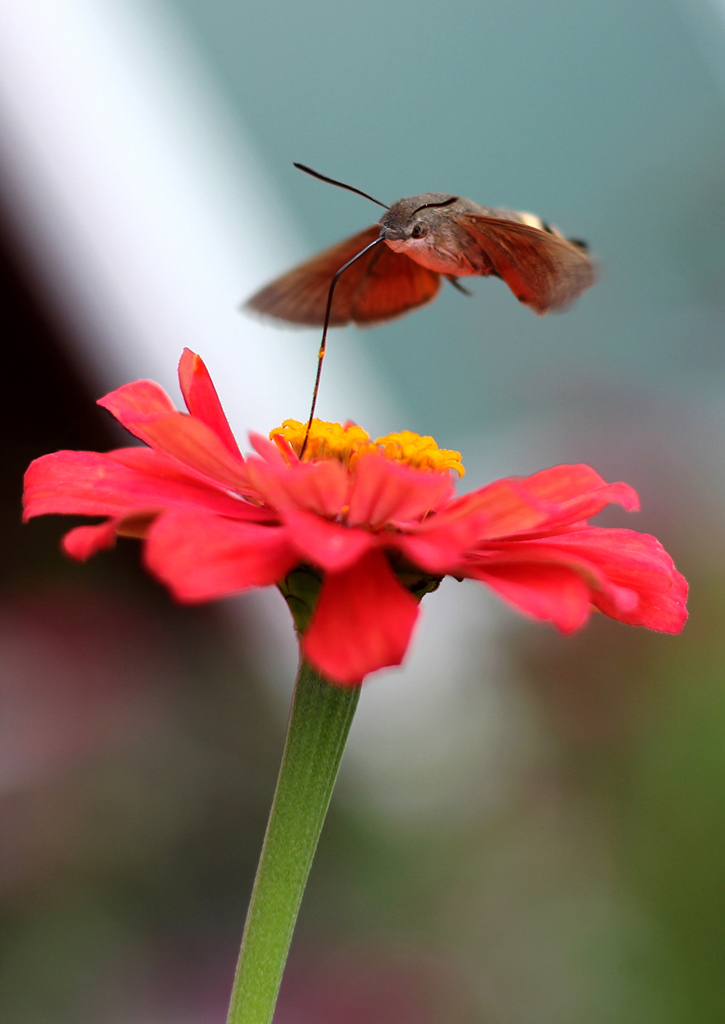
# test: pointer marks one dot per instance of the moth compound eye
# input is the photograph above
(418, 231)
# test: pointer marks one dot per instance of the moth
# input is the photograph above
(427, 238)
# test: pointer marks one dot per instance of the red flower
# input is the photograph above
(375, 523)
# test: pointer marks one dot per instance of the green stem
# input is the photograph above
(319, 722)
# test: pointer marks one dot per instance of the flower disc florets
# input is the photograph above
(346, 442)
(356, 530)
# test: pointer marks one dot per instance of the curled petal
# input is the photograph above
(549, 500)
(576, 493)
(627, 575)
(638, 563)
(200, 557)
(202, 399)
(386, 492)
(85, 541)
(569, 484)
(363, 621)
(327, 545)
(530, 561)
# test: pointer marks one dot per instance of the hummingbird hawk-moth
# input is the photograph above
(426, 238)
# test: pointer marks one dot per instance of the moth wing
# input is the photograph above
(300, 295)
(542, 269)
(393, 284)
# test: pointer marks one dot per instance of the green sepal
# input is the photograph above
(300, 589)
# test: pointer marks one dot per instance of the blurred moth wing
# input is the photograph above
(379, 286)
(543, 269)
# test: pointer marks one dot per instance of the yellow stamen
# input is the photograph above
(326, 440)
(420, 451)
(347, 442)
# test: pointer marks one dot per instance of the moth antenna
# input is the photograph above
(321, 353)
(425, 206)
(340, 184)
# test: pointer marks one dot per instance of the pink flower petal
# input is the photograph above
(89, 483)
(536, 553)
(327, 545)
(556, 497)
(85, 541)
(134, 403)
(363, 621)
(627, 575)
(501, 509)
(319, 487)
(386, 492)
(266, 449)
(552, 593)
(561, 485)
(638, 563)
(439, 543)
(196, 446)
(579, 507)
(202, 399)
(201, 557)
(146, 410)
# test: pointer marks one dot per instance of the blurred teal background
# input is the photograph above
(603, 118)
(543, 842)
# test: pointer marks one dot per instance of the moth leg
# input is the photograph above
(458, 286)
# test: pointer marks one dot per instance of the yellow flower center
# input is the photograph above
(419, 451)
(347, 442)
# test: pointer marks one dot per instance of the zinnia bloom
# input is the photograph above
(354, 532)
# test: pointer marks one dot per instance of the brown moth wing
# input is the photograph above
(300, 296)
(543, 270)
(380, 285)
(394, 284)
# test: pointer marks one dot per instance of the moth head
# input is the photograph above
(414, 217)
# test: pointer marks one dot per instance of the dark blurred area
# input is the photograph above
(570, 866)
(137, 756)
